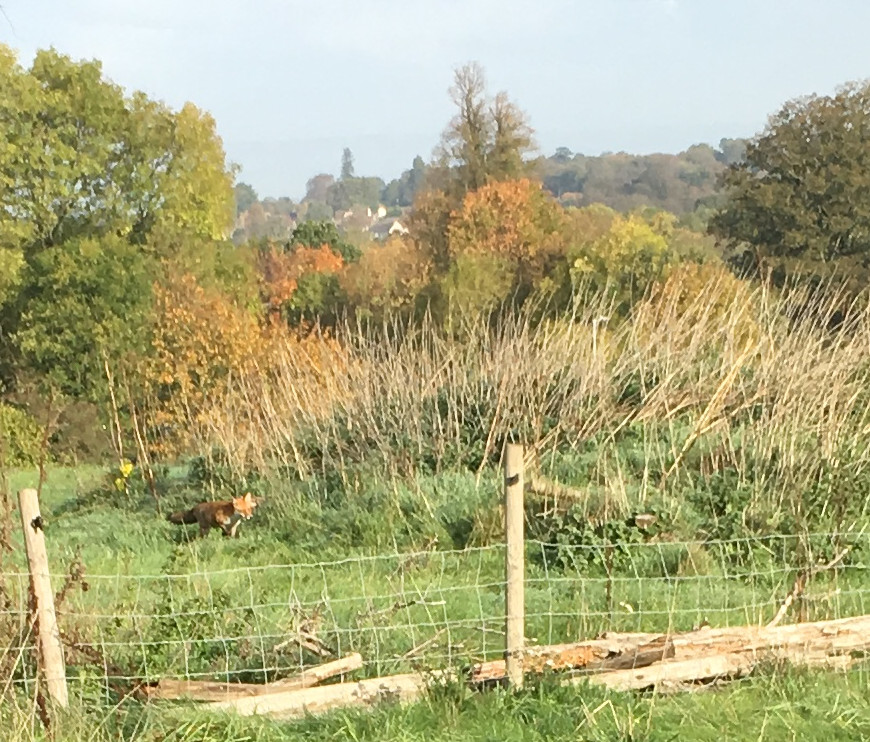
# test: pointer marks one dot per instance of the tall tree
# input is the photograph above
(801, 192)
(486, 139)
(347, 164)
(99, 193)
(317, 187)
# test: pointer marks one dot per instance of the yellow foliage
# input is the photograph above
(628, 258)
(698, 302)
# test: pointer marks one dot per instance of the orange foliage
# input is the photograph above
(387, 277)
(208, 351)
(512, 219)
(282, 270)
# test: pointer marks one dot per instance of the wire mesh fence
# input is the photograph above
(418, 610)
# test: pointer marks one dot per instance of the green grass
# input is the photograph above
(161, 603)
(782, 706)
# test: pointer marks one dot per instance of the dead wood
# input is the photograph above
(205, 690)
(619, 661)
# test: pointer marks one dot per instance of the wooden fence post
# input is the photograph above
(50, 649)
(515, 612)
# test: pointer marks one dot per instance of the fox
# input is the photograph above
(226, 515)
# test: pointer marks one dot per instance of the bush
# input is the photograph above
(20, 437)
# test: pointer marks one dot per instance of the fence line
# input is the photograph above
(427, 608)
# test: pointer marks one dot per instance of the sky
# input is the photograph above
(291, 84)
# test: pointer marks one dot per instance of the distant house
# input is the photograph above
(384, 228)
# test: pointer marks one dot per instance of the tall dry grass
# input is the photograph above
(756, 375)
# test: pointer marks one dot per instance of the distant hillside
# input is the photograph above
(678, 183)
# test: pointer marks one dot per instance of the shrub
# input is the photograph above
(20, 437)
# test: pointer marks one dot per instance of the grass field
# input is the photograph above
(743, 432)
(160, 604)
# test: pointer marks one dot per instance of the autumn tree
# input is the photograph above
(626, 259)
(302, 283)
(798, 198)
(486, 139)
(318, 233)
(484, 143)
(503, 241)
(386, 281)
(102, 194)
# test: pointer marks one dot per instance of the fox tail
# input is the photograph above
(181, 516)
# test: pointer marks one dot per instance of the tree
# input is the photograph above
(317, 233)
(402, 190)
(302, 283)
(626, 259)
(346, 164)
(487, 138)
(317, 187)
(318, 211)
(83, 302)
(801, 193)
(386, 280)
(504, 239)
(731, 151)
(484, 143)
(245, 196)
(101, 195)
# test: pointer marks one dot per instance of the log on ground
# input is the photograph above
(296, 703)
(204, 690)
(672, 661)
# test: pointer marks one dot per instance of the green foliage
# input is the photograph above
(11, 264)
(195, 620)
(347, 164)
(84, 301)
(677, 183)
(402, 191)
(798, 197)
(475, 284)
(318, 296)
(317, 233)
(20, 437)
(213, 473)
(98, 193)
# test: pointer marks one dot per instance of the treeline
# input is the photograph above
(684, 184)
(127, 306)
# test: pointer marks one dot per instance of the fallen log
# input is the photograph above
(620, 662)
(595, 655)
(292, 704)
(205, 690)
(703, 670)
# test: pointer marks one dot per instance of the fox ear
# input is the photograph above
(247, 497)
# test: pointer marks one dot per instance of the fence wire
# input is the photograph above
(417, 610)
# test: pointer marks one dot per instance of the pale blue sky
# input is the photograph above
(292, 83)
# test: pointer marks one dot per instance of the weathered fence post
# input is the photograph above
(515, 612)
(50, 649)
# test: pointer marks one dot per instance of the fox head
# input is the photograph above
(245, 505)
